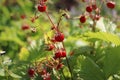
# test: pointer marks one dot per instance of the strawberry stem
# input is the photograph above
(49, 18)
(68, 63)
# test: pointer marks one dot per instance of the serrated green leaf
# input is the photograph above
(24, 54)
(2, 72)
(111, 62)
(38, 51)
(84, 49)
(105, 36)
(14, 75)
(90, 70)
(11, 35)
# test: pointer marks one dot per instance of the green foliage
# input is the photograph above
(105, 36)
(38, 52)
(2, 72)
(111, 60)
(8, 34)
(14, 75)
(90, 70)
(35, 52)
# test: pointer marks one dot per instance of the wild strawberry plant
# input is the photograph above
(61, 46)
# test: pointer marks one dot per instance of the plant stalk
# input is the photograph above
(63, 74)
(50, 19)
(68, 64)
(93, 30)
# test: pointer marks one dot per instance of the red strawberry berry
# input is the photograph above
(45, 0)
(42, 8)
(94, 6)
(59, 37)
(82, 19)
(31, 72)
(63, 54)
(50, 47)
(23, 16)
(89, 9)
(25, 27)
(110, 4)
(59, 66)
(58, 54)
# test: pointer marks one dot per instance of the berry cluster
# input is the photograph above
(55, 44)
(44, 74)
(31, 72)
(93, 11)
(42, 6)
(60, 54)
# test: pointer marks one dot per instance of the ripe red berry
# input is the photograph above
(31, 72)
(58, 54)
(63, 54)
(89, 9)
(82, 19)
(59, 66)
(50, 47)
(94, 6)
(42, 8)
(59, 37)
(45, 0)
(25, 27)
(110, 4)
(23, 16)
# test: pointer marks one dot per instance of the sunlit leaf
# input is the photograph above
(24, 54)
(2, 72)
(105, 36)
(14, 75)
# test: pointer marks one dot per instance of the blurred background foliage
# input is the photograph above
(24, 46)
